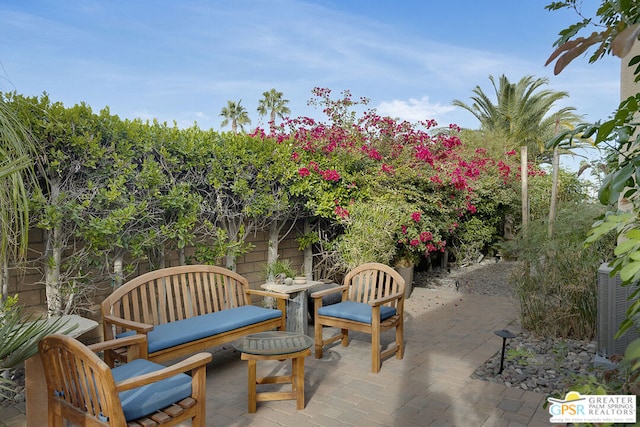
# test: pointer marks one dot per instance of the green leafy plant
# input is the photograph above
(278, 267)
(369, 232)
(523, 354)
(19, 338)
(556, 280)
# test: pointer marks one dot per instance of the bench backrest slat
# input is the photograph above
(177, 293)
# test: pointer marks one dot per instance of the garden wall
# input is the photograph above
(28, 282)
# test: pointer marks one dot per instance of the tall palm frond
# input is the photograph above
(17, 151)
(235, 114)
(522, 111)
(273, 104)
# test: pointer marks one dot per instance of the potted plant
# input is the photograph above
(279, 268)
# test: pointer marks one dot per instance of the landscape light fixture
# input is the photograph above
(504, 333)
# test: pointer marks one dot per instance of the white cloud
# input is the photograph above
(413, 109)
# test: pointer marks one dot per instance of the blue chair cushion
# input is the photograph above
(357, 311)
(171, 334)
(145, 400)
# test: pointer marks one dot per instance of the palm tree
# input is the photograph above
(235, 114)
(18, 336)
(273, 104)
(17, 151)
(523, 113)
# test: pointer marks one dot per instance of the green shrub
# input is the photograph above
(370, 232)
(557, 279)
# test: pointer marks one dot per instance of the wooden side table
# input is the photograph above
(296, 304)
(275, 345)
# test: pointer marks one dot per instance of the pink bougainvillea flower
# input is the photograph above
(341, 212)
(372, 153)
(330, 175)
(511, 153)
(504, 168)
(404, 229)
(415, 216)
(423, 153)
(388, 169)
(414, 242)
(425, 236)
(295, 156)
(304, 172)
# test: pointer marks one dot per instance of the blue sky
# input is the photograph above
(182, 60)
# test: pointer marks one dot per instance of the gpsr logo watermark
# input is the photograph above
(576, 408)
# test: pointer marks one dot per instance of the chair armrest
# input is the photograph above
(136, 346)
(194, 362)
(320, 294)
(142, 328)
(267, 294)
(118, 343)
(389, 298)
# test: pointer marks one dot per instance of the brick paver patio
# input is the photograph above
(447, 336)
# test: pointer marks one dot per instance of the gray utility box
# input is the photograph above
(613, 301)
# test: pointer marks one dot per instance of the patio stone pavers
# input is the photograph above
(447, 336)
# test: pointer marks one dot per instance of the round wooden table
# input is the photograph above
(275, 345)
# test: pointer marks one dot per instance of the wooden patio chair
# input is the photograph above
(82, 389)
(372, 302)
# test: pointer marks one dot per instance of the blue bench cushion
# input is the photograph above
(145, 400)
(357, 311)
(171, 334)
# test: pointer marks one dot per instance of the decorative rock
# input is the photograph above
(542, 365)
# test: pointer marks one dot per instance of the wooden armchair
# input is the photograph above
(372, 302)
(81, 388)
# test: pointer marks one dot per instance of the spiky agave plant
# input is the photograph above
(19, 338)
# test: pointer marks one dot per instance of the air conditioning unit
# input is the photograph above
(613, 301)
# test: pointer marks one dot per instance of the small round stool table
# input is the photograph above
(275, 345)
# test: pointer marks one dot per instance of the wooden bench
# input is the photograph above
(187, 309)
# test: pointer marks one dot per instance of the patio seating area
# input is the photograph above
(447, 335)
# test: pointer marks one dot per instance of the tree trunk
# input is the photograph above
(524, 176)
(308, 253)
(118, 276)
(554, 190)
(53, 258)
(230, 258)
(4, 277)
(272, 248)
(554, 186)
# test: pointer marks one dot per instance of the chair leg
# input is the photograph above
(55, 414)
(252, 388)
(318, 339)
(375, 351)
(345, 337)
(400, 340)
(199, 391)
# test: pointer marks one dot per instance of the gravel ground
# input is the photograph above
(487, 278)
(531, 363)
